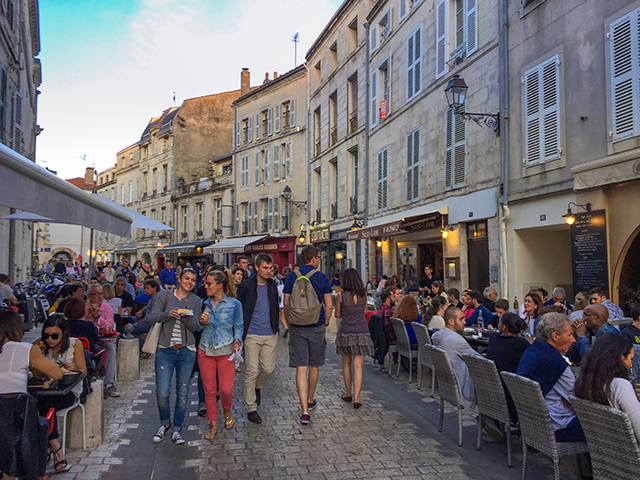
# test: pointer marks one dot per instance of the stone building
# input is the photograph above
(270, 167)
(20, 77)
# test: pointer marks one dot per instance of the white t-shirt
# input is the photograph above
(623, 397)
(14, 367)
(67, 357)
(114, 303)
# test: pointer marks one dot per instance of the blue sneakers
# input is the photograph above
(305, 418)
(312, 405)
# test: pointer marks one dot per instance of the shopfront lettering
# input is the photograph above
(320, 235)
(375, 232)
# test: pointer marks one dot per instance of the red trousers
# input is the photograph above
(216, 372)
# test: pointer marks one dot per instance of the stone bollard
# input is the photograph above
(93, 419)
(128, 359)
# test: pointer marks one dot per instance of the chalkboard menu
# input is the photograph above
(589, 251)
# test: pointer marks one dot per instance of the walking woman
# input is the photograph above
(353, 341)
(222, 334)
(178, 313)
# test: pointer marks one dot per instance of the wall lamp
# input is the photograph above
(448, 228)
(357, 223)
(456, 93)
(287, 198)
(570, 216)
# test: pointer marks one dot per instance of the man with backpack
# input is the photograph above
(305, 318)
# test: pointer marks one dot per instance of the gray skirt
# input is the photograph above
(354, 344)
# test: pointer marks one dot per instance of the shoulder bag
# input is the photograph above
(151, 343)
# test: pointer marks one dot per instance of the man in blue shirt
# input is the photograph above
(168, 277)
(476, 300)
(307, 344)
(593, 325)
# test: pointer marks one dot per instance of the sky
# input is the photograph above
(109, 66)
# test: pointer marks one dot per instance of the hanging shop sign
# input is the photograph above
(376, 231)
(320, 235)
(422, 222)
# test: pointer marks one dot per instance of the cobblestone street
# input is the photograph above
(394, 435)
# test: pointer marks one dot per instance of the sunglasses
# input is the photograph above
(54, 336)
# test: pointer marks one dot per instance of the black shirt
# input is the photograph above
(86, 329)
(506, 351)
(426, 281)
(490, 304)
(127, 299)
(632, 333)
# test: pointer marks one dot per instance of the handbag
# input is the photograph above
(151, 343)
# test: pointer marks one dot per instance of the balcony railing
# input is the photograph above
(334, 210)
(319, 215)
(318, 146)
(334, 135)
(353, 121)
(353, 204)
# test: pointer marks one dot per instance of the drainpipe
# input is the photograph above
(233, 170)
(366, 146)
(504, 145)
(306, 66)
(174, 202)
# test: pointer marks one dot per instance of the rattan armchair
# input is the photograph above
(403, 344)
(424, 359)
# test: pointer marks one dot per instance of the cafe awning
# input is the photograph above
(233, 245)
(139, 220)
(129, 247)
(29, 187)
(188, 247)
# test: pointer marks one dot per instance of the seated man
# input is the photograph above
(73, 290)
(476, 301)
(127, 299)
(544, 363)
(490, 295)
(599, 296)
(558, 297)
(450, 340)
(101, 315)
(389, 297)
(632, 330)
(413, 285)
(592, 326)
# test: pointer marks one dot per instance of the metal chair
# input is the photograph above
(535, 423)
(424, 359)
(447, 385)
(490, 396)
(612, 442)
(403, 344)
(63, 412)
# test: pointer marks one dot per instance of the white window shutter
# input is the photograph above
(276, 213)
(410, 72)
(277, 120)
(417, 62)
(266, 166)
(550, 114)
(459, 151)
(255, 216)
(269, 120)
(287, 160)
(403, 9)
(441, 39)
(624, 76)
(257, 127)
(374, 38)
(385, 165)
(257, 172)
(471, 24)
(448, 156)
(416, 163)
(276, 162)
(409, 167)
(532, 115)
(17, 123)
(374, 98)
(250, 122)
(292, 116)
(237, 134)
(270, 214)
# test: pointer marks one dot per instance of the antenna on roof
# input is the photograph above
(174, 99)
(84, 158)
(295, 40)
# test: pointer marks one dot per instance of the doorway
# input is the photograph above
(629, 285)
(478, 255)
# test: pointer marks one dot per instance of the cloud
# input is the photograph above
(99, 101)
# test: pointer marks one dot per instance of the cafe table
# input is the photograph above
(57, 390)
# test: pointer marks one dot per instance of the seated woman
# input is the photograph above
(434, 317)
(115, 303)
(506, 348)
(407, 311)
(15, 358)
(437, 289)
(604, 374)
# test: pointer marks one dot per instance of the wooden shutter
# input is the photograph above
(410, 71)
(413, 160)
(455, 169)
(403, 9)
(276, 162)
(17, 123)
(266, 165)
(417, 61)
(292, 116)
(270, 216)
(409, 167)
(287, 160)
(237, 134)
(257, 172)
(382, 179)
(269, 120)
(441, 40)
(250, 123)
(276, 214)
(248, 217)
(255, 217)
(624, 75)
(257, 127)
(277, 119)
(374, 98)
(471, 25)
(374, 38)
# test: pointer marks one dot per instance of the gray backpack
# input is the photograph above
(303, 307)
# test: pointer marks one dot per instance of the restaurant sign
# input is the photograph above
(432, 220)
(320, 235)
(375, 232)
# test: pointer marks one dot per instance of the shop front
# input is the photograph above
(183, 253)
(126, 251)
(227, 251)
(281, 249)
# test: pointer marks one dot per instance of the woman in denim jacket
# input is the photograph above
(223, 327)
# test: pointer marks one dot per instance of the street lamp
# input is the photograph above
(357, 223)
(456, 94)
(286, 193)
(570, 216)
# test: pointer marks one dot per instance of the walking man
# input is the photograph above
(307, 344)
(260, 306)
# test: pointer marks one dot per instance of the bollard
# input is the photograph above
(93, 419)
(128, 359)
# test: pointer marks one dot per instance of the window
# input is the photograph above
(414, 64)
(383, 165)
(165, 174)
(276, 214)
(227, 169)
(255, 216)
(542, 112)
(352, 41)
(353, 201)
(384, 26)
(246, 223)
(155, 181)
(3, 104)
(276, 162)
(244, 171)
(238, 133)
(333, 118)
(462, 16)
(288, 109)
(17, 122)
(153, 217)
(270, 217)
(122, 202)
(455, 166)
(138, 191)
(316, 130)
(352, 102)
(318, 188)
(200, 219)
(247, 129)
(374, 38)
(333, 57)
(185, 220)
(383, 78)
(317, 75)
(624, 71)
(257, 170)
(266, 119)
(413, 162)
(334, 199)
(265, 175)
(163, 215)
(404, 8)
(265, 215)
(374, 98)
(287, 159)
(218, 207)
(144, 184)
(142, 230)
(257, 127)
(130, 192)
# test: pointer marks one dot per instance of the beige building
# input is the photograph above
(270, 167)
(20, 77)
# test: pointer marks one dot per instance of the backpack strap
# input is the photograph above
(311, 273)
(166, 300)
(297, 273)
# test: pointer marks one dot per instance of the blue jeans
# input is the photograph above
(571, 433)
(140, 328)
(168, 359)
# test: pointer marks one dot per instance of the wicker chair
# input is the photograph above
(611, 439)
(490, 396)
(447, 385)
(404, 346)
(424, 359)
(535, 423)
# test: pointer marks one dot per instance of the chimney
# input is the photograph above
(245, 81)
(266, 78)
(88, 175)
(275, 75)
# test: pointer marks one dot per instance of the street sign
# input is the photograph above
(383, 110)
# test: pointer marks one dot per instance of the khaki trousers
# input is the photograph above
(259, 354)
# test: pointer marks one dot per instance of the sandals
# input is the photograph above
(64, 462)
(229, 421)
(346, 398)
(357, 404)
(212, 434)
(202, 411)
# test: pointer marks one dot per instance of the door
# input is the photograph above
(478, 254)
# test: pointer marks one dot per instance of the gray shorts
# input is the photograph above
(307, 346)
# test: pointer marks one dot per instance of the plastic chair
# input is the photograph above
(403, 344)
(490, 396)
(535, 423)
(612, 442)
(87, 346)
(447, 385)
(64, 413)
(424, 359)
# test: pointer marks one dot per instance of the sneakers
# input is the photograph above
(159, 436)
(111, 391)
(312, 405)
(305, 418)
(177, 438)
(254, 417)
(258, 397)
